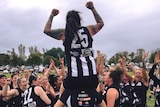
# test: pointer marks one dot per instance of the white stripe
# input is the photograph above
(68, 102)
(74, 67)
(93, 65)
(84, 66)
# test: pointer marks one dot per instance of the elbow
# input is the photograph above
(102, 24)
(45, 31)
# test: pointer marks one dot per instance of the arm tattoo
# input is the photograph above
(94, 29)
(57, 33)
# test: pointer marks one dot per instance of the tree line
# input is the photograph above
(37, 58)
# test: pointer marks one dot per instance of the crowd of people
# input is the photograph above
(87, 82)
(116, 86)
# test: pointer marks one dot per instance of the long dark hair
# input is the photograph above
(116, 75)
(73, 21)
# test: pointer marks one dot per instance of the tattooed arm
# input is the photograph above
(93, 29)
(54, 33)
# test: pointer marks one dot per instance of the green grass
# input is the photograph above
(150, 103)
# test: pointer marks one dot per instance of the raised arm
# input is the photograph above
(63, 73)
(9, 93)
(93, 29)
(145, 75)
(54, 33)
(122, 61)
(47, 71)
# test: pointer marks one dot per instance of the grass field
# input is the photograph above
(150, 103)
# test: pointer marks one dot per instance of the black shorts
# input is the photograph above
(88, 82)
(81, 98)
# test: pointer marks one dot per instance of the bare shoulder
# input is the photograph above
(38, 90)
(113, 92)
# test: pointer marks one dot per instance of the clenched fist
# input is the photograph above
(90, 5)
(55, 12)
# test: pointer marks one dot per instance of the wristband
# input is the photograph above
(51, 17)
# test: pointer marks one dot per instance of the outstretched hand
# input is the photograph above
(90, 5)
(144, 56)
(55, 12)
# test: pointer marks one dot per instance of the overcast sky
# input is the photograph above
(129, 24)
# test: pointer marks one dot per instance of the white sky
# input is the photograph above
(129, 24)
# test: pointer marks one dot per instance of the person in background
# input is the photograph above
(126, 97)
(154, 70)
(112, 81)
(47, 87)
(140, 84)
(3, 100)
(16, 94)
(35, 96)
(26, 73)
(14, 77)
(55, 82)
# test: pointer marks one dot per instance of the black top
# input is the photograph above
(152, 76)
(117, 101)
(126, 93)
(17, 101)
(80, 46)
(80, 61)
(2, 103)
(140, 91)
(31, 99)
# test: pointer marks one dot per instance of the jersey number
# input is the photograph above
(83, 38)
(27, 97)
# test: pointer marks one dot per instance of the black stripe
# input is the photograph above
(90, 67)
(69, 66)
(79, 67)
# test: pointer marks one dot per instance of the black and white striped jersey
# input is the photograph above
(79, 54)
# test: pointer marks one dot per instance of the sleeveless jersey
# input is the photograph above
(81, 98)
(80, 61)
(126, 96)
(139, 92)
(117, 101)
(32, 100)
(78, 51)
(17, 101)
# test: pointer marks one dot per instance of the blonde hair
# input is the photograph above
(19, 80)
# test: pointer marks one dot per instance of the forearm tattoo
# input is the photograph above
(98, 19)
